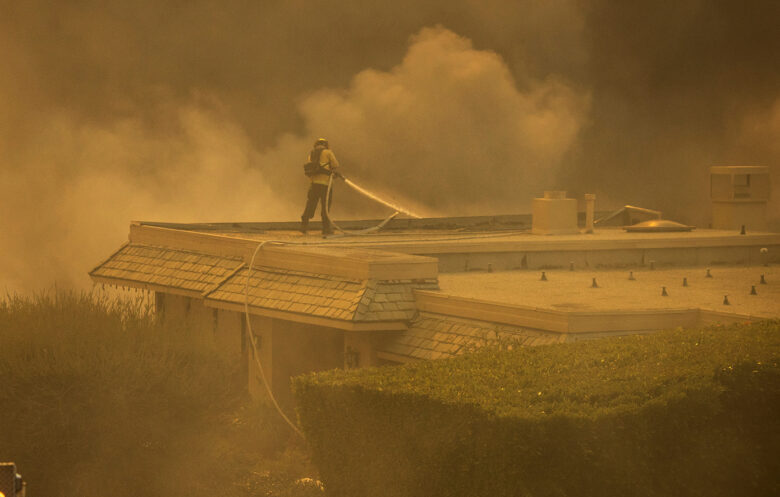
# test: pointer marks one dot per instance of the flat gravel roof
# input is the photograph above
(571, 290)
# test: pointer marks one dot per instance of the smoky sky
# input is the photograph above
(204, 111)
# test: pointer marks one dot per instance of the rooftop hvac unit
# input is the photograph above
(739, 196)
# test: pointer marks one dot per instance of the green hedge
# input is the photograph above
(683, 412)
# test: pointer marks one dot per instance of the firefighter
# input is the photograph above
(322, 163)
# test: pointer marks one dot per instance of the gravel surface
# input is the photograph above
(571, 290)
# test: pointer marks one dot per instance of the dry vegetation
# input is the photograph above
(99, 399)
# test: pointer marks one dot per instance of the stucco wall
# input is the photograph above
(285, 348)
(360, 349)
(230, 333)
(302, 348)
(263, 331)
(186, 311)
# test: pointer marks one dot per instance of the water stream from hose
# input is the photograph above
(374, 197)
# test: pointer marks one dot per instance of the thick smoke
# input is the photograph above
(71, 203)
(447, 127)
(673, 88)
(447, 131)
(115, 111)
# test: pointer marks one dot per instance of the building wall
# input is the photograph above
(171, 308)
(218, 328)
(230, 333)
(300, 348)
(186, 311)
(284, 348)
(360, 349)
(262, 330)
(201, 319)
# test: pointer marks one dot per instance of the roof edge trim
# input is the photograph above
(115, 252)
(572, 322)
(308, 319)
(145, 286)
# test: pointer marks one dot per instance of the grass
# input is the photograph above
(97, 398)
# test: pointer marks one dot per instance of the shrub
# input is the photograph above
(98, 399)
(674, 413)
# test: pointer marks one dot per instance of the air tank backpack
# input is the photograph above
(313, 166)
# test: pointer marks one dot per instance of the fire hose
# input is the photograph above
(252, 339)
(396, 209)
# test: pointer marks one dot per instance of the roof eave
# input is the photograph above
(145, 286)
(309, 319)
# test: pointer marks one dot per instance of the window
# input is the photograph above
(741, 185)
(741, 180)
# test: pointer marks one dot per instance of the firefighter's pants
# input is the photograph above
(317, 194)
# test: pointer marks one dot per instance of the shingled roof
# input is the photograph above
(323, 295)
(149, 266)
(222, 280)
(437, 336)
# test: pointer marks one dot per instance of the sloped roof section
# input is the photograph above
(142, 265)
(293, 291)
(391, 299)
(437, 336)
(323, 295)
